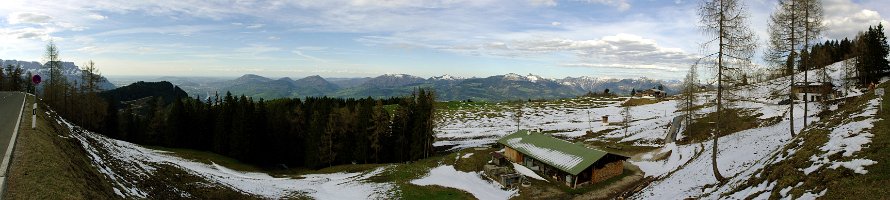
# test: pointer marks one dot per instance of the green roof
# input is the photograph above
(566, 156)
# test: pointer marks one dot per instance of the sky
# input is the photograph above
(657, 39)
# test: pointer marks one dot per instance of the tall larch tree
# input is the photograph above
(811, 20)
(731, 44)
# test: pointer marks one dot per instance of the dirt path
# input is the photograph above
(616, 188)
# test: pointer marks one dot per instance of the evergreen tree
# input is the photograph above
(380, 128)
(872, 49)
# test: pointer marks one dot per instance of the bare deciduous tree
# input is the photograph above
(794, 25)
(730, 48)
(517, 115)
(53, 63)
(90, 77)
(627, 118)
(689, 94)
(811, 20)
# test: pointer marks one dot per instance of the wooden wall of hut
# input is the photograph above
(513, 155)
(610, 170)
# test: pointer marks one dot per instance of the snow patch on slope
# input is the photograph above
(138, 160)
(472, 182)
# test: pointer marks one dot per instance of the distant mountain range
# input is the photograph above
(71, 71)
(494, 88)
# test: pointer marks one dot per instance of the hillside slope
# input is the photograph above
(47, 164)
(55, 162)
(134, 171)
(830, 157)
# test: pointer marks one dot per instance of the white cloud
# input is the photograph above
(616, 49)
(625, 66)
(844, 19)
(502, 28)
(27, 18)
(544, 2)
(301, 54)
(255, 26)
(25, 33)
(622, 5)
(95, 16)
(184, 30)
(257, 49)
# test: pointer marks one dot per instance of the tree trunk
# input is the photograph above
(790, 92)
(719, 96)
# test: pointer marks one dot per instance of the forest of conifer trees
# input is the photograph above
(312, 132)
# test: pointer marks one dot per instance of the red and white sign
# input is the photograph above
(35, 79)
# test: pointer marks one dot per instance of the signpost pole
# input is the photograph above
(880, 94)
(36, 80)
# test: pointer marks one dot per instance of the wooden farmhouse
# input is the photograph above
(815, 91)
(560, 160)
(652, 93)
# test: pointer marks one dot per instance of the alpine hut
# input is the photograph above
(560, 160)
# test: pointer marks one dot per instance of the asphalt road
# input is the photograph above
(675, 127)
(10, 109)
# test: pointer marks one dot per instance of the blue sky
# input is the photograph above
(359, 38)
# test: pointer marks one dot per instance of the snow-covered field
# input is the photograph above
(569, 118)
(472, 182)
(121, 160)
(687, 170)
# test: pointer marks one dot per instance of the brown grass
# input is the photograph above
(639, 102)
(46, 165)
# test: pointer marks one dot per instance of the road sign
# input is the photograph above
(35, 79)
(879, 92)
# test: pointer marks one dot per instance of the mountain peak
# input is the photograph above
(533, 78)
(398, 76)
(513, 77)
(446, 77)
(314, 78)
(252, 77)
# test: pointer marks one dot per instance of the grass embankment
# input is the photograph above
(841, 183)
(48, 164)
(639, 102)
(734, 120)
(206, 157)
(459, 105)
(402, 174)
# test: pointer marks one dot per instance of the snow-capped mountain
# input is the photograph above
(509, 86)
(446, 77)
(621, 86)
(530, 77)
(393, 80)
(71, 71)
